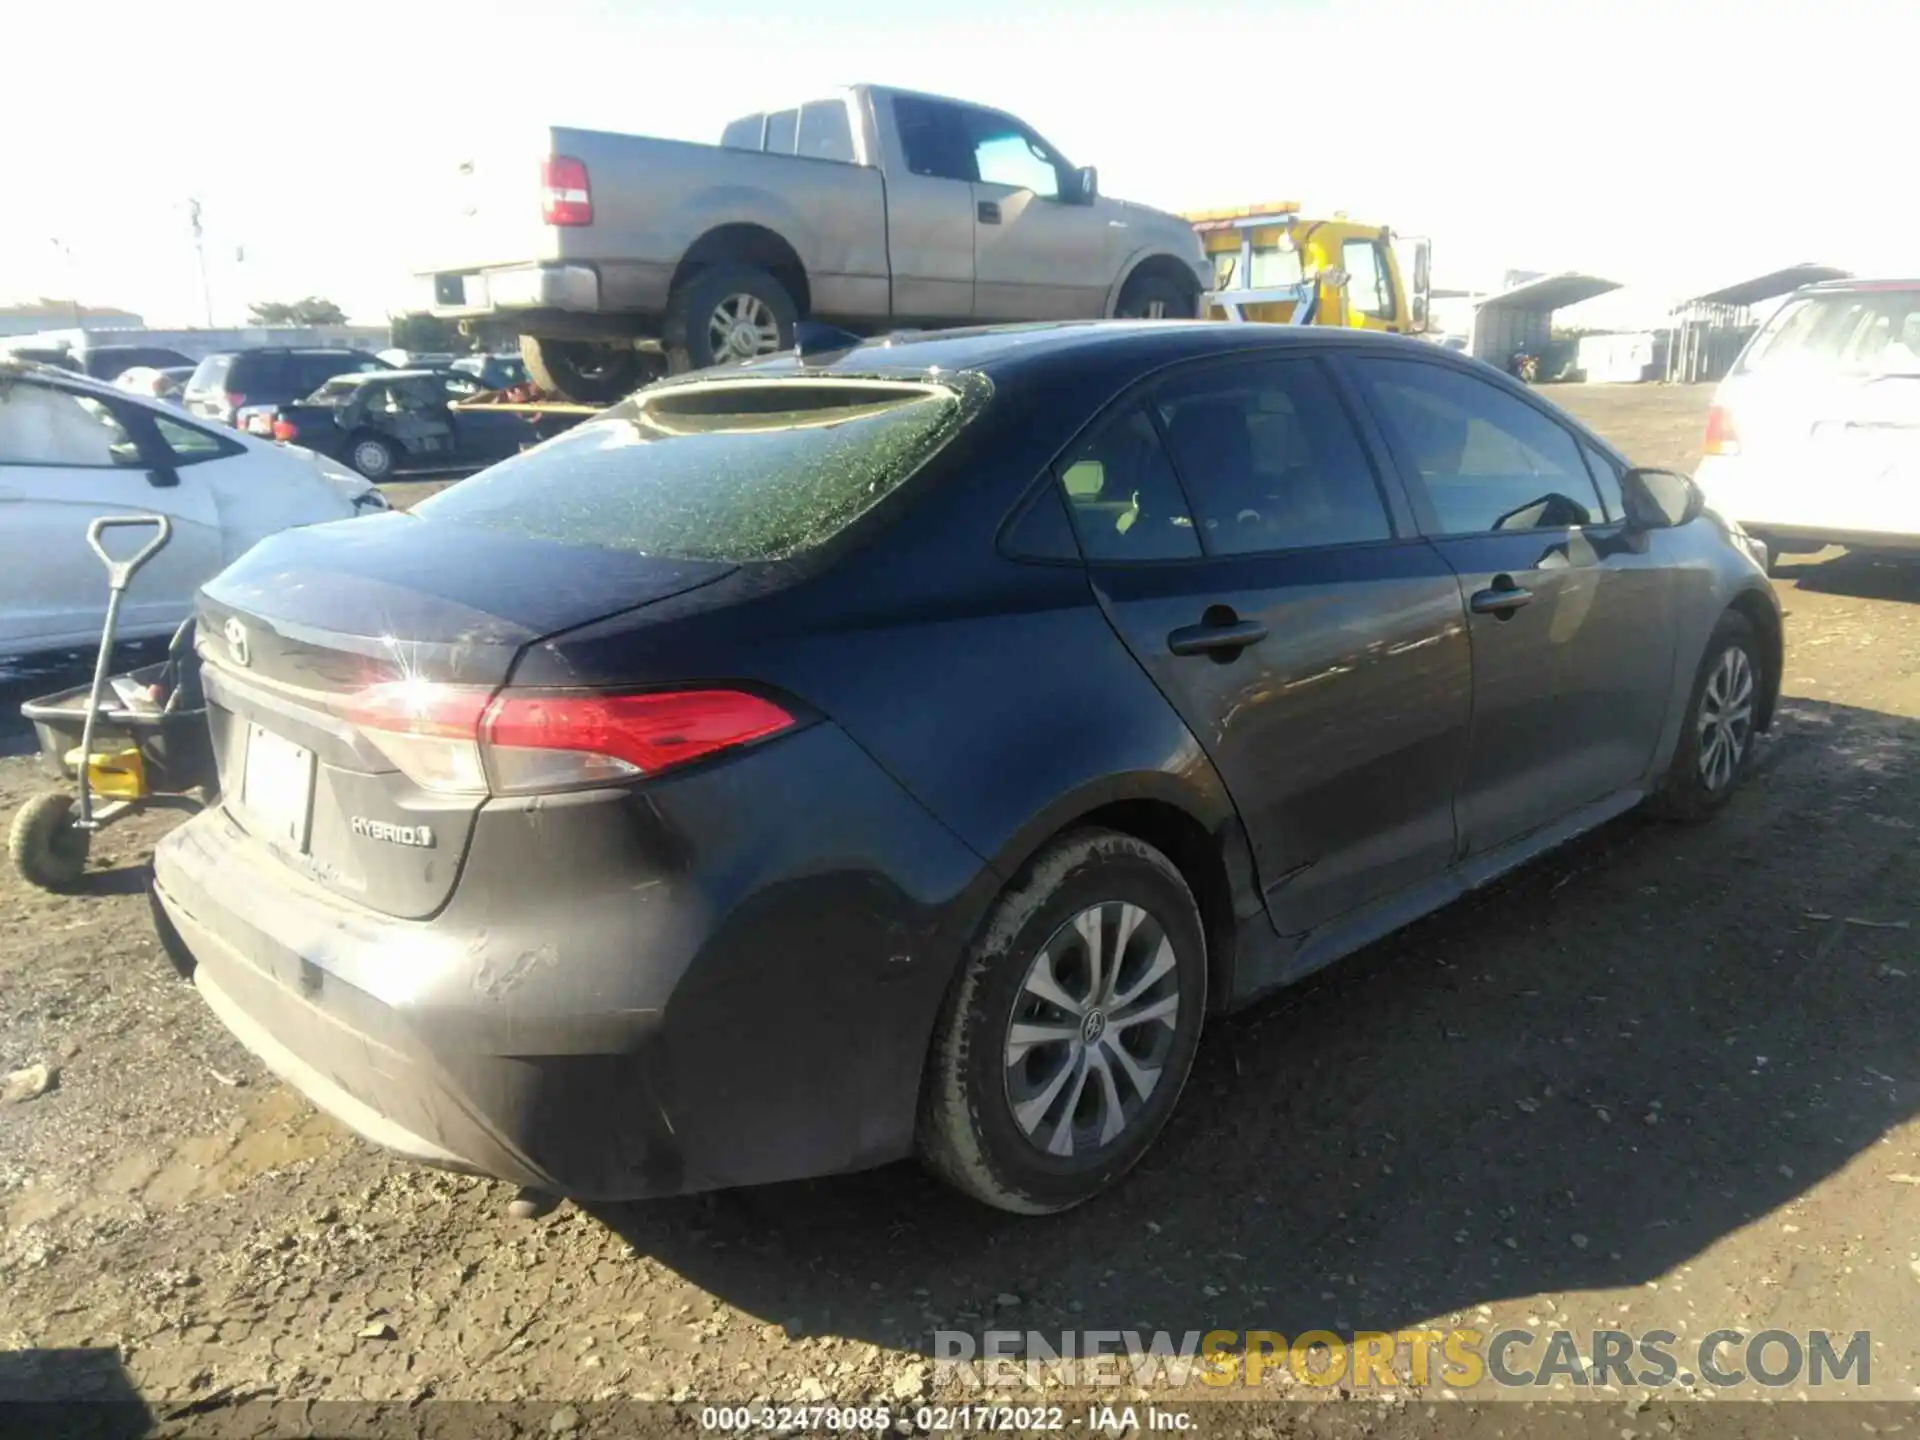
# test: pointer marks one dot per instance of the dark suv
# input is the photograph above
(236, 380)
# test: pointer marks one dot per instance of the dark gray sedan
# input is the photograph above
(907, 747)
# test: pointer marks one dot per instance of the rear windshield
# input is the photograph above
(211, 373)
(727, 470)
(1859, 331)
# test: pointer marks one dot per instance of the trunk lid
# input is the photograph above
(310, 618)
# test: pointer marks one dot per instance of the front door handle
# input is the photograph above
(1219, 640)
(1501, 599)
(989, 212)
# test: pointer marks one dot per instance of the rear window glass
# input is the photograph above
(729, 470)
(1870, 331)
(211, 373)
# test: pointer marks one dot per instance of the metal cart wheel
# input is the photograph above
(46, 846)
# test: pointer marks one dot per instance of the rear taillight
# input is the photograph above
(461, 739)
(1722, 438)
(566, 197)
(285, 430)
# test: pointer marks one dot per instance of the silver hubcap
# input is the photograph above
(1092, 1029)
(370, 460)
(742, 326)
(1726, 717)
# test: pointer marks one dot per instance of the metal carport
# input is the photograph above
(1522, 315)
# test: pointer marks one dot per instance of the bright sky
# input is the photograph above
(1673, 146)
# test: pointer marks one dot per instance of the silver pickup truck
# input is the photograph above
(613, 256)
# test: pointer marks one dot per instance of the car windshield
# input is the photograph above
(1874, 332)
(723, 470)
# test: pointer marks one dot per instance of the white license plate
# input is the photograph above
(276, 787)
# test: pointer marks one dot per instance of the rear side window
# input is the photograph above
(780, 127)
(1486, 460)
(825, 133)
(1270, 460)
(1875, 332)
(728, 470)
(42, 426)
(1124, 497)
(744, 133)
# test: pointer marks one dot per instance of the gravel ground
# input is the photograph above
(1664, 1078)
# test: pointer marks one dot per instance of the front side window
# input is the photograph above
(1004, 154)
(1270, 460)
(1486, 460)
(1606, 478)
(721, 470)
(1368, 289)
(189, 443)
(934, 138)
(43, 426)
(1124, 497)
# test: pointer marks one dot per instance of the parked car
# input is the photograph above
(417, 359)
(109, 362)
(157, 384)
(494, 372)
(908, 748)
(1813, 438)
(870, 209)
(229, 385)
(388, 420)
(72, 449)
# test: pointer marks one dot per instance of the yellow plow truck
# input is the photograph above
(1271, 263)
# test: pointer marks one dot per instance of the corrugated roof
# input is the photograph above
(1766, 287)
(1550, 292)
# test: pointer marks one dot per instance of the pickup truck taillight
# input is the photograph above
(285, 430)
(566, 197)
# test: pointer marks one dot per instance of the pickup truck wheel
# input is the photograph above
(1154, 297)
(593, 372)
(727, 313)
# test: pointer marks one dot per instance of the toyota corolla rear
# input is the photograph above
(1814, 438)
(605, 928)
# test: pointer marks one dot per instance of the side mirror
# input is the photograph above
(1083, 186)
(1660, 499)
(163, 477)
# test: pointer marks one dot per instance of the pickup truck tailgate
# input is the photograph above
(489, 210)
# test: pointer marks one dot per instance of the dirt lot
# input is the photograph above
(1666, 1078)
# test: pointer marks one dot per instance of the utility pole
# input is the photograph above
(73, 278)
(200, 248)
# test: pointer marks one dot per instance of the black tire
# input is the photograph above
(373, 456)
(692, 331)
(1156, 297)
(590, 372)
(44, 846)
(971, 1133)
(1694, 789)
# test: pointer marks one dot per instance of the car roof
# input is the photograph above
(60, 376)
(368, 377)
(1003, 349)
(1856, 283)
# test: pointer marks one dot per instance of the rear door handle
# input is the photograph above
(1216, 639)
(989, 212)
(1502, 599)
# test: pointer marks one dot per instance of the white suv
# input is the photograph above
(1814, 437)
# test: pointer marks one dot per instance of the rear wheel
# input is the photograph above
(1067, 1037)
(592, 372)
(727, 313)
(44, 845)
(372, 456)
(1155, 297)
(1716, 739)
